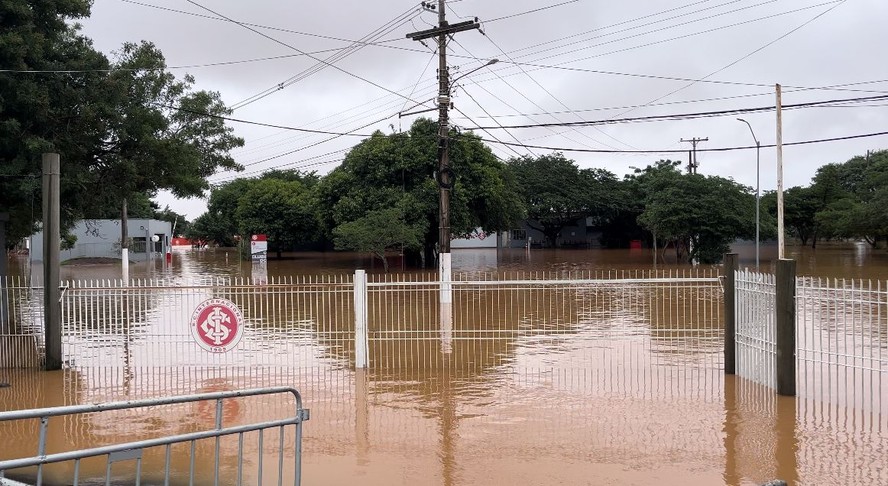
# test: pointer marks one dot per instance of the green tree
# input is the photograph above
(397, 171)
(859, 196)
(557, 193)
(701, 215)
(47, 112)
(166, 135)
(282, 210)
(378, 231)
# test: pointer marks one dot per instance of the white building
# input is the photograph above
(100, 238)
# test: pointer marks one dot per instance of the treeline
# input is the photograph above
(384, 196)
(843, 201)
(125, 127)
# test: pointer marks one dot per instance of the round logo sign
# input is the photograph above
(217, 325)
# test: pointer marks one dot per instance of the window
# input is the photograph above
(519, 234)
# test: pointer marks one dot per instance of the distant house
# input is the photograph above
(478, 238)
(100, 238)
(584, 233)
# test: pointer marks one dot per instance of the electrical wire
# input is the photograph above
(356, 76)
(682, 151)
(689, 116)
(511, 16)
(338, 56)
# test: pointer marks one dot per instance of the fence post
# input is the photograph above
(52, 307)
(730, 314)
(361, 343)
(785, 313)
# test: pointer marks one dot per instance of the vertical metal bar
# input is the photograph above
(166, 466)
(138, 471)
(218, 439)
(41, 448)
(108, 472)
(281, 457)
(191, 466)
(240, 458)
(261, 454)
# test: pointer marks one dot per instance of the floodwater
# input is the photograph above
(600, 387)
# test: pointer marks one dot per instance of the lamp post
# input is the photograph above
(758, 150)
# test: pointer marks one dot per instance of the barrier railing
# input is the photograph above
(152, 459)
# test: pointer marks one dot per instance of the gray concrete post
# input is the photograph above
(785, 318)
(730, 267)
(52, 307)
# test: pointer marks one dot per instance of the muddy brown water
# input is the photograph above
(576, 409)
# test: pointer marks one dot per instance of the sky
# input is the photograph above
(558, 61)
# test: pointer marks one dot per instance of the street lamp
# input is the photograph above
(758, 150)
(489, 63)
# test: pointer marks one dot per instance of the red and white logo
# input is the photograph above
(217, 325)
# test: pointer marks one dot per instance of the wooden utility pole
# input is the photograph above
(444, 175)
(692, 155)
(780, 236)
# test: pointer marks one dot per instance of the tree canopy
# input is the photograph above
(123, 129)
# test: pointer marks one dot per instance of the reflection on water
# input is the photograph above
(558, 386)
(451, 427)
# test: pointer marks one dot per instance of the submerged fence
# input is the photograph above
(828, 337)
(834, 338)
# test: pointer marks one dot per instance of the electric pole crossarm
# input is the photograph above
(444, 29)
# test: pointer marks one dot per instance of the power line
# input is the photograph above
(689, 116)
(299, 50)
(672, 151)
(338, 56)
(511, 16)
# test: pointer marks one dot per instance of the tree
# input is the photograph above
(557, 193)
(856, 208)
(701, 215)
(378, 231)
(283, 210)
(387, 171)
(47, 112)
(165, 135)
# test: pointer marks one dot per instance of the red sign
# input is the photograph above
(259, 238)
(217, 325)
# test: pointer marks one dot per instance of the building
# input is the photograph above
(584, 233)
(100, 238)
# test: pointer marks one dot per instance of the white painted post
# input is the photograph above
(124, 260)
(445, 271)
(361, 341)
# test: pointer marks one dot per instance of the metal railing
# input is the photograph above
(634, 319)
(842, 336)
(755, 327)
(144, 457)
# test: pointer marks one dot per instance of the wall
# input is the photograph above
(100, 238)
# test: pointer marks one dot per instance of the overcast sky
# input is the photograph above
(545, 61)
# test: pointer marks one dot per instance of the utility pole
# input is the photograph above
(692, 155)
(780, 236)
(444, 176)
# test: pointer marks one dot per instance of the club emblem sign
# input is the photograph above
(217, 325)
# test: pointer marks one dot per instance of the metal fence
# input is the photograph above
(755, 333)
(842, 336)
(158, 457)
(632, 320)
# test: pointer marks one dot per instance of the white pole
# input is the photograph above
(445, 270)
(780, 237)
(361, 338)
